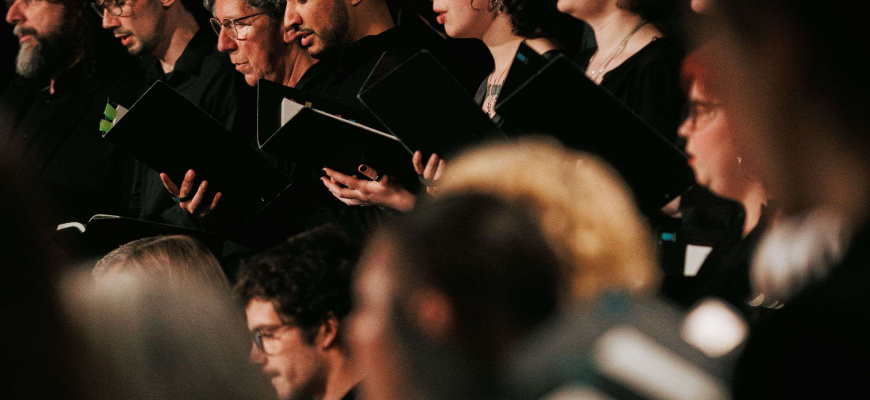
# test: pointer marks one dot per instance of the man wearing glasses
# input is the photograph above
(296, 298)
(166, 34)
(67, 67)
(251, 32)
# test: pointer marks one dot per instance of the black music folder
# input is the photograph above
(560, 100)
(170, 134)
(315, 133)
(423, 105)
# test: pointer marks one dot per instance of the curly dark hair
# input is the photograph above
(307, 278)
(273, 8)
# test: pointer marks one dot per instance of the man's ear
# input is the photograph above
(327, 335)
(431, 313)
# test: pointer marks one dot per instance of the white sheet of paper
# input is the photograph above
(695, 256)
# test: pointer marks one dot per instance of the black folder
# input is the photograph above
(560, 100)
(426, 108)
(170, 134)
(311, 135)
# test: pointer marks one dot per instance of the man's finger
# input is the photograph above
(417, 160)
(187, 184)
(194, 203)
(340, 192)
(440, 171)
(170, 186)
(214, 202)
(429, 173)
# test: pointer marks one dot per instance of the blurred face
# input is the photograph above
(710, 145)
(584, 9)
(373, 343)
(43, 29)
(140, 25)
(464, 18)
(321, 25)
(260, 51)
(296, 368)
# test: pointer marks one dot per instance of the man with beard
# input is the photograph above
(67, 68)
(174, 49)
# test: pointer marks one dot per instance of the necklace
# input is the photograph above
(596, 74)
(493, 89)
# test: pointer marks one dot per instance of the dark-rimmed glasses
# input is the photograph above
(267, 332)
(702, 111)
(230, 25)
(118, 8)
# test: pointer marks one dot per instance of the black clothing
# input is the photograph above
(59, 132)
(206, 78)
(648, 83)
(725, 271)
(340, 76)
(351, 395)
(816, 347)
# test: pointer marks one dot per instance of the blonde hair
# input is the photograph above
(176, 259)
(583, 208)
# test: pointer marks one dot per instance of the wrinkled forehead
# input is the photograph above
(232, 9)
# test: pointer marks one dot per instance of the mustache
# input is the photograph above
(21, 31)
(119, 32)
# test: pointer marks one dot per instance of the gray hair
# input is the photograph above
(272, 8)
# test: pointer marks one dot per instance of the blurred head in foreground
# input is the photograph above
(177, 259)
(148, 340)
(583, 208)
(296, 296)
(445, 293)
(795, 76)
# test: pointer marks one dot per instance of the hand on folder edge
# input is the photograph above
(193, 205)
(381, 190)
(430, 172)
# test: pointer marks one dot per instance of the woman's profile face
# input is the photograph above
(467, 19)
(710, 145)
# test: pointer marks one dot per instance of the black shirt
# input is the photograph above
(60, 137)
(648, 83)
(206, 78)
(340, 76)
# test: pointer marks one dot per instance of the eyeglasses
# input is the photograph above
(702, 112)
(264, 338)
(118, 8)
(230, 25)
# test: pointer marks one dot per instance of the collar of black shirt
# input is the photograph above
(370, 46)
(200, 46)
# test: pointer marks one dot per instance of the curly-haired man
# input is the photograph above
(296, 297)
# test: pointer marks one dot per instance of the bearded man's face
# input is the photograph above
(45, 32)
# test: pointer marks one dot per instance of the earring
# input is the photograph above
(493, 4)
(739, 160)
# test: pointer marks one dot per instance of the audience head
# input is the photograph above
(54, 34)
(445, 292)
(296, 298)
(541, 18)
(177, 260)
(252, 34)
(586, 211)
(715, 157)
(145, 26)
(147, 340)
(795, 76)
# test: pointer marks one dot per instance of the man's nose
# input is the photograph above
(257, 356)
(14, 16)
